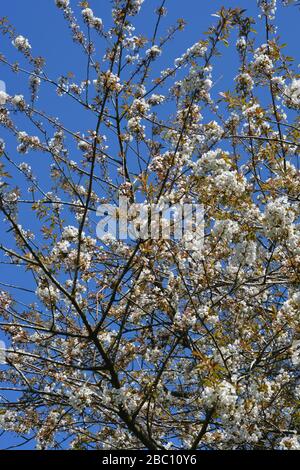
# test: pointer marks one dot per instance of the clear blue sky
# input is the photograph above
(42, 23)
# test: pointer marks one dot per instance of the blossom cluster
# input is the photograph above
(111, 341)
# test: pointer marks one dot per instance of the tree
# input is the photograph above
(149, 343)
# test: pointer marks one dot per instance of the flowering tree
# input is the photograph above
(145, 343)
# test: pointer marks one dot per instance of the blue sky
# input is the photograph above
(43, 24)
(45, 27)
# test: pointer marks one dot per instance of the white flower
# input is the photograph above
(81, 398)
(289, 443)
(195, 82)
(62, 3)
(48, 294)
(90, 19)
(207, 84)
(8, 420)
(196, 50)
(292, 94)
(278, 81)
(139, 107)
(134, 125)
(226, 229)
(268, 8)
(154, 51)
(87, 13)
(83, 145)
(253, 111)
(70, 233)
(245, 253)
(25, 168)
(156, 99)
(21, 43)
(245, 81)
(212, 161)
(108, 80)
(262, 62)
(2, 146)
(22, 136)
(134, 6)
(230, 183)
(296, 352)
(277, 217)
(224, 396)
(291, 309)
(241, 43)
(35, 81)
(212, 131)
(18, 101)
(62, 248)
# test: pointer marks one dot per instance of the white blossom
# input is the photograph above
(18, 101)
(62, 3)
(156, 99)
(292, 94)
(289, 443)
(92, 20)
(154, 51)
(21, 43)
(70, 233)
(268, 7)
